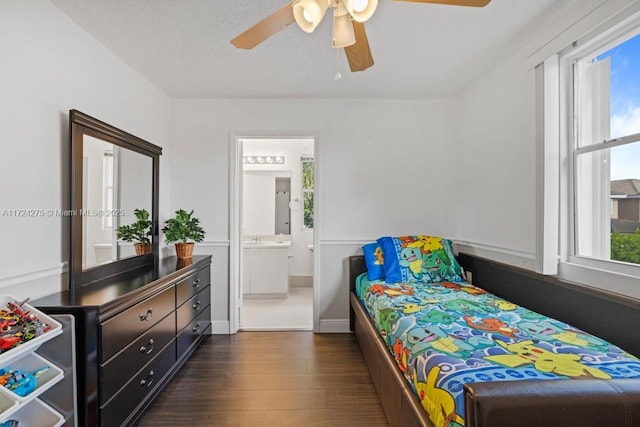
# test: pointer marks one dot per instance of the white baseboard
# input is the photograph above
(219, 327)
(334, 326)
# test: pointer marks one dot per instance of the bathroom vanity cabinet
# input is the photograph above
(265, 269)
(135, 331)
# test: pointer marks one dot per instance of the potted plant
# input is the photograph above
(139, 232)
(184, 230)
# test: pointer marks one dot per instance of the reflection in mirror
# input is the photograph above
(116, 181)
(265, 202)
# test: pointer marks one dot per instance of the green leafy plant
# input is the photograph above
(139, 231)
(307, 193)
(182, 228)
(626, 247)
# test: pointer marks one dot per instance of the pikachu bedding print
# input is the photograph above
(445, 334)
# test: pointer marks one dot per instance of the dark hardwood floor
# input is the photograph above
(271, 379)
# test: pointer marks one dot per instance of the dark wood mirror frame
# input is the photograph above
(81, 124)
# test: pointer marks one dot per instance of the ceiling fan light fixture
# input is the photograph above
(343, 34)
(360, 10)
(309, 13)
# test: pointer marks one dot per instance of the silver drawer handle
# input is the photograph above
(196, 306)
(196, 283)
(147, 316)
(196, 328)
(148, 380)
(147, 348)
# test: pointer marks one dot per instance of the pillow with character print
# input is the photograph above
(374, 259)
(419, 258)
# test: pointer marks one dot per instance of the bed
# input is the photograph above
(473, 367)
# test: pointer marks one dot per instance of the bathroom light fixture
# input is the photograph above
(264, 160)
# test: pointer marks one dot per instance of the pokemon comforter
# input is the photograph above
(443, 335)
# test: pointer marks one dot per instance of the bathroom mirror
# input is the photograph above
(265, 202)
(113, 174)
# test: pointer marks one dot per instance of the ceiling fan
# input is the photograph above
(349, 17)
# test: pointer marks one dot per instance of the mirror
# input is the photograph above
(113, 174)
(265, 202)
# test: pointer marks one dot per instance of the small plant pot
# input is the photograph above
(184, 250)
(142, 248)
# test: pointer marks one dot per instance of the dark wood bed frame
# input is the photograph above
(585, 403)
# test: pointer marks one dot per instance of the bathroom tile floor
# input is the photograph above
(292, 313)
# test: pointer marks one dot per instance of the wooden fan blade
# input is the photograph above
(472, 3)
(265, 28)
(359, 54)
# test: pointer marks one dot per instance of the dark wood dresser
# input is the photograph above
(134, 331)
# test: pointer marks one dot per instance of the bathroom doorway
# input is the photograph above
(276, 223)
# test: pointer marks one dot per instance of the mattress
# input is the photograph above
(443, 335)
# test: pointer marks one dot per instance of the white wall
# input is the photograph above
(496, 180)
(50, 65)
(384, 167)
(496, 216)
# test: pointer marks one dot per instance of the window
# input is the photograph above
(107, 189)
(593, 140)
(307, 191)
(606, 151)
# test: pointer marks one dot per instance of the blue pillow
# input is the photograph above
(419, 258)
(374, 259)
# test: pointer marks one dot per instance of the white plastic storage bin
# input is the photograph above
(36, 414)
(30, 363)
(31, 345)
(7, 406)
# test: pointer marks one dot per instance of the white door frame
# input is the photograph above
(235, 215)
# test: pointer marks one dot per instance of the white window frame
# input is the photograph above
(556, 130)
(108, 162)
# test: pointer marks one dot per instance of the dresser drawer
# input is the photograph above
(116, 411)
(190, 309)
(192, 332)
(125, 364)
(193, 284)
(125, 327)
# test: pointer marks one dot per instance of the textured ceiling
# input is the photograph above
(182, 46)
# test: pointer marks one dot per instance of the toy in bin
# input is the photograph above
(18, 326)
(21, 383)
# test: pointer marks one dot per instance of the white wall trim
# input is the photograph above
(219, 327)
(168, 250)
(33, 275)
(515, 257)
(567, 28)
(548, 125)
(334, 326)
(349, 242)
(216, 243)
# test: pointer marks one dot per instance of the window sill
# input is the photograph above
(627, 285)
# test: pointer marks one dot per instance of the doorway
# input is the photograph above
(275, 216)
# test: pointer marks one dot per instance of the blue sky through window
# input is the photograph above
(625, 106)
